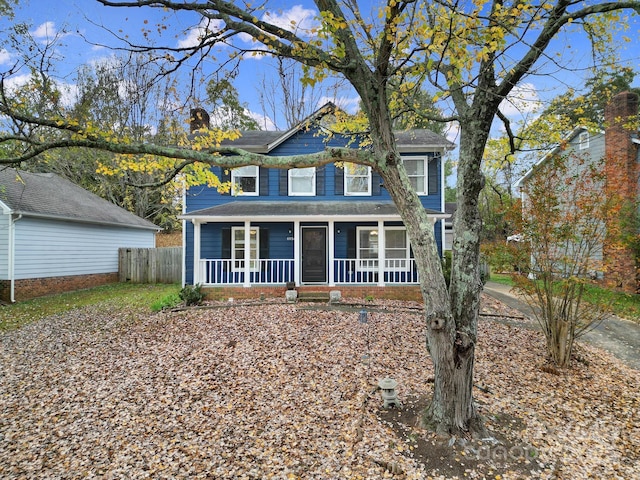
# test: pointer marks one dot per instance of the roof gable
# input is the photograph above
(571, 139)
(51, 196)
(264, 141)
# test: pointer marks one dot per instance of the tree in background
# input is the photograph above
(115, 96)
(288, 96)
(565, 211)
(6, 7)
(473, 54)
(572, 108)
(227, 112)
(508, 157)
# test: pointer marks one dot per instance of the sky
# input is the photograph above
(77, 24)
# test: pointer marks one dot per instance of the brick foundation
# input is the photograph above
(408, 293)
(38, 287)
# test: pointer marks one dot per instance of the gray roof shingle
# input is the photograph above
(261, 140)
(49, 195)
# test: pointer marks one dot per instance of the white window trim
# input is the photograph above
(365, 264)
(357, 194)
(371, 264)
(312, 193)
(403, 265)
(583, 140)
(425, 179)
(237, 192)
(254, 264)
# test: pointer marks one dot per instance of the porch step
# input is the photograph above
(313, 297)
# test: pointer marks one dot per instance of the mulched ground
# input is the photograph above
(277, 391)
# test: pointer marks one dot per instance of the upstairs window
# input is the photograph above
(583, 140)
(302, 181)
(357, 179)
(244, 180)
(416, 168)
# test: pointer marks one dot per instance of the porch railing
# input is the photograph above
(261, 272)
(398, 271)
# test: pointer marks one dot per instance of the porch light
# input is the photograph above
(389, 395)
(362, 318)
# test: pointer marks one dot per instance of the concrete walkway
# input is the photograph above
(619, 336)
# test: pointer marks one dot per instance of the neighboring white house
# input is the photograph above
(56, 236)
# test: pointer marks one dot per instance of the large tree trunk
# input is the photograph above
(452, 351)
(466, 284)
(451, 320)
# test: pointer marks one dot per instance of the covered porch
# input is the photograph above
(305, 243)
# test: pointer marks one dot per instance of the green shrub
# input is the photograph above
(192, 294)
(168, 301)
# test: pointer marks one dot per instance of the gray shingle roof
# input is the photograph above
(49, 195)
(261, 140)
(293, 210)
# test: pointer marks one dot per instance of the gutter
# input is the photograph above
(89, 221)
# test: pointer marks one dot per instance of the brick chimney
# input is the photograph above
(199, 119)
(621, 163)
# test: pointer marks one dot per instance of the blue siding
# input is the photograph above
(303, 142)
(279, 245)
(201, 197)
(187, 228)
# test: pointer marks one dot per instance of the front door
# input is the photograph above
(314, 254)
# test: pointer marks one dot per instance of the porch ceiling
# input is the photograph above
(288, 210)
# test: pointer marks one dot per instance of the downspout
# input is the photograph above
(184, 237)
(443, 189)
(11, 263)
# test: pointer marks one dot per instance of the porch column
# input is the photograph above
(296, 252)
(197, 274)
(381, 253)
(332, 234)
(247, 254)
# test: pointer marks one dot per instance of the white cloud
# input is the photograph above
(69, 91)
(17, 81)
(452, 132)
(348, 104)
(5, 56)
(263, 121)
(299, 20)
(522, 100)
(46, 31)
(195, 35)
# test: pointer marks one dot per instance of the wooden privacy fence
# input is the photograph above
(150, 265)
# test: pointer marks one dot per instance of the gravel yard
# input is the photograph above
(276, 391)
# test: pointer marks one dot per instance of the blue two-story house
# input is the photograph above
(332, 225)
